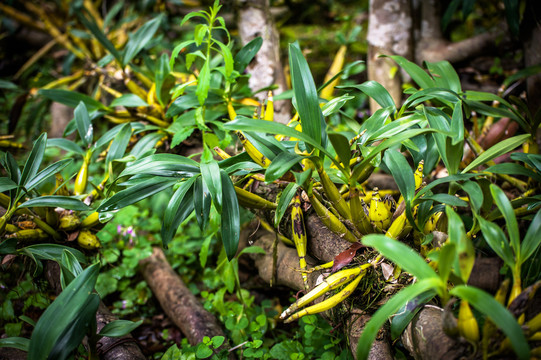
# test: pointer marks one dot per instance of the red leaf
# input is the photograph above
(345, 257)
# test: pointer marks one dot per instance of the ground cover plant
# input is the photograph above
(177, 206)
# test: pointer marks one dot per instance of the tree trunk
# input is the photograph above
(255, 19)
(389, 33)
(531, 38)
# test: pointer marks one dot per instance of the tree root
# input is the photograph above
(176, 299)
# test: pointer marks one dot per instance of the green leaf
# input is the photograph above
(119, 328)
(371, 329)
(135, 193)
(66, 144)
(498, 149)
(178, 209)
(84, 126)
(513, 169)
(15, 342)
(457, 125)
(11, 166)
(163, 165)
(228, 58)
(447, 179)
(70, 268)
(72, 98)
(163, 78)
(210, 172)
(445, 262)
(128, 100)
(45, 173)
(33, 161)
(83, 324)
(202, 201)
(402, 173)
(475, 194)
(446, 76)
(203, 83)
(512, 14)
(450, 154)
(446, 199)
(281, 164)
(387, 143)
(531, 240)
(65, 202)
(505, 207)
(247, 53)
(61, 313)
(496, 239)
(376, 91)
(178, 49)
(284, 201)
(6, 184)
(415, 71)
(313, 123)
(230, 217)
(400, 254)
(91, 25)
(271, 127)
(464, 247)
(342, 148)
(487, 305)
(403, 317)
(51, 252)
(119, 144)
(140, 39)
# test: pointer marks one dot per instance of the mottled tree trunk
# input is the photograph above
(389, 33)
(531, 37)
(254, 20)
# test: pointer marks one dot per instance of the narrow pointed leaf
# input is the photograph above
(65, 202)
(385, 312)
(281, 164)
(376, 91)
(119, 328)
(33, 161)
(505, 207)
(178, 209)
(16, 343)
(498, 149)
(230, 229)
(487, 305)
(306, 96)
(71, 98)
(45, 173)
(140, 39)
(211, 176)
(6, 184)
(284, 201)
(119, 144)
(400, 254)
(84, 126)
(496, 239)
(135, 193)
(66, 144)
(61, 313)
(532, 239)
(247, 53)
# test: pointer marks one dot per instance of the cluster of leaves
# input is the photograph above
(165, 102)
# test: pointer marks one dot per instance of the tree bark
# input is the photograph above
(389, 33)
(531, 38)
(424, 337)
(176, 299)
(255, 19)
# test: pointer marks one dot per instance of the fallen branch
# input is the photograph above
(176, 299)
